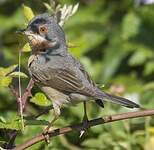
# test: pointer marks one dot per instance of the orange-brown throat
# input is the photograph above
(39, 44)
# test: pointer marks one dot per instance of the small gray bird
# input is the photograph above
(59, 75)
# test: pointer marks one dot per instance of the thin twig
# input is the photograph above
(45, 111)
(27, 93)
(16, 94)
(13, 90)
(11, 142)
(21, 100)
(81, 126)
(20, 108)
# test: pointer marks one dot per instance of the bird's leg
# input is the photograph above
(85, 117)
(50, 124)
(85, 120)
(56, 115)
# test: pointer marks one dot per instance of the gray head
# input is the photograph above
(45, 35)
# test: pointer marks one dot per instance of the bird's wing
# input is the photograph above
(70, 81)
(86, 75)
(68, 77)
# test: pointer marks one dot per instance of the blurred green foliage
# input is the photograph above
(114, 41)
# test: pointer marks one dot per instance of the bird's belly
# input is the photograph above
(56, 96)
(62, 99)
(77, 98)
(74, 99)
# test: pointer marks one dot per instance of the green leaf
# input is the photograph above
(28, 13)
(5, 71)
(26, 48)
(5, 81)
(130, 25)
(92, 143)
(40, 99)
(13, 124)
(2, 119)
(149, 86)
(17, 74)
(140, 56)
(116, 54)
(149, 68)
(48, 7)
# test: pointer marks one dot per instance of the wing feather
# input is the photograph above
(69, 77)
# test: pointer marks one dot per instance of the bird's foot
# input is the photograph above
(46, 132)
(85, 126)
(46, 137)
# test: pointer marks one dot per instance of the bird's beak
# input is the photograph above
(20, 31)
(25, 32)
(28, 33)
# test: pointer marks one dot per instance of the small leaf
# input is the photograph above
(28, 13)
(92, 143)
(2, 119)
(149, 68)
(5, 71)
(49, 8)
(149, 86)
(26, 48)
(138, 58)
(67, 12)
(40, 99)
(75, 8)
(5, 81)
(13, 124)
(141, 55)
(130, 25)
(17, 74)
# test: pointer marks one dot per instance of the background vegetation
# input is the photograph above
(114, 41)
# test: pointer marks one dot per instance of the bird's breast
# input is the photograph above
(35, 67)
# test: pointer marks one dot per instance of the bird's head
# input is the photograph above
(44, 34)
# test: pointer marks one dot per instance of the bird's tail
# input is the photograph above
(117, 100)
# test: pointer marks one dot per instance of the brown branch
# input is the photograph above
(81, 126)
(27, 93)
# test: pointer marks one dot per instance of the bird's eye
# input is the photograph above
(42, 29)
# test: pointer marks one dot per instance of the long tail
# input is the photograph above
(118, 100)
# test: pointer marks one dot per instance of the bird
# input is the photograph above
(57, 73)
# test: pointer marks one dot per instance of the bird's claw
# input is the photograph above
(85, 127)
(46, 137)
(81, 133)
(46, 134)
